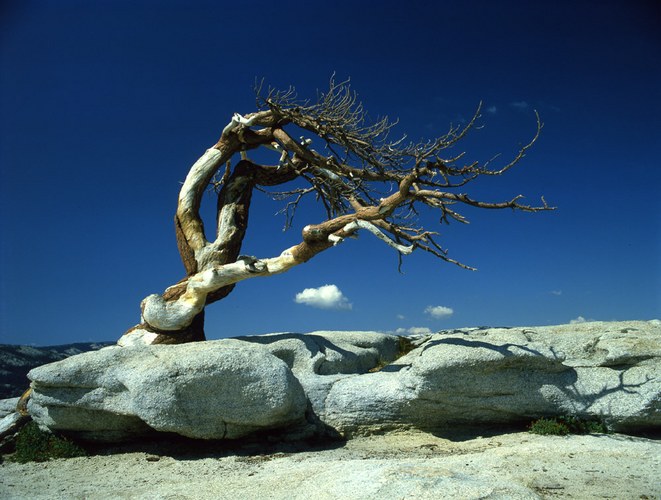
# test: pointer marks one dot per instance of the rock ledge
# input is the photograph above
(337, 380)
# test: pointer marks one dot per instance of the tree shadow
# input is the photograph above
(315, 344)
(260, 445)
(466, 432)
(504, 349)
(542, 374)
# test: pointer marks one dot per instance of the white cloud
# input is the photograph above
(556, 292)
(492, 110)
(520, 105)
(580, 319)
(414, 330)
(401, 316)
(439, 311)
(324, 297)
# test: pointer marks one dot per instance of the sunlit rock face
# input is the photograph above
(357, 382)
(474, 376)
(214, 390)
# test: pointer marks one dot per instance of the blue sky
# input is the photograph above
(104, 106)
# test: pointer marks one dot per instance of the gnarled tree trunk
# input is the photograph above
(348, 193)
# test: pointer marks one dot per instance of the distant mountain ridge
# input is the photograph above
(17, 360)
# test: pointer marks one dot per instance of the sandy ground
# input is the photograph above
(395, 466)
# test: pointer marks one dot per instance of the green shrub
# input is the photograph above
(595, 427)
(35, 445)
(548, 427)
(561, 426)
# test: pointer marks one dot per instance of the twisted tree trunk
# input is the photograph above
(351, 196)
(197, 253)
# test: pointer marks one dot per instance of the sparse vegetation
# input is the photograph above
(35, 445)
(562, 426)
(405, 346)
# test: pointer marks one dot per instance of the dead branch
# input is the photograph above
(364, 180)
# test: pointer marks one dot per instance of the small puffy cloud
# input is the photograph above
(575, 321)
(324, 297)
(520, 105)
(419, 330)
(414, 330)
(439, 312)
(401, 316)
(556, 292)
(492, 110)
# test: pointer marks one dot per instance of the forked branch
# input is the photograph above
(362, 177)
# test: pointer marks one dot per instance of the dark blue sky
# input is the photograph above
(104, 106)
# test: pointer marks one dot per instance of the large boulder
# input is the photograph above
(211, 390)
(352, 382)
(474, 376)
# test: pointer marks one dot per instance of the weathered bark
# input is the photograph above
(192, 333)
(197, 253)
(233, 208)
(349, 194)
(177, 309)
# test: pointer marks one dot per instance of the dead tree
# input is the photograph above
(355, 162)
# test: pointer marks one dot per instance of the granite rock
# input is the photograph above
(354, 382)
(211, 390)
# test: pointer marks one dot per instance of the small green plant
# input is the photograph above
(35, 445)
(561, 426)
(548, 427)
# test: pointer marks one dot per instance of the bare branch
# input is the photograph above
(362, 177)
(522, 152)
(427, 196)
(362, 224)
